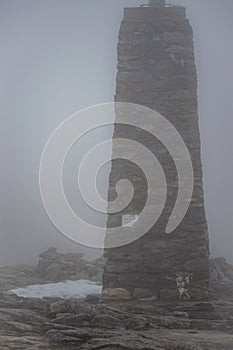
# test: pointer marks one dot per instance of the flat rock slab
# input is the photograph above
(77, 324)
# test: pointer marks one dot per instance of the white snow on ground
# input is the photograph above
(67, 289)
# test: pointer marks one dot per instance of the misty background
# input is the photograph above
(59, 56)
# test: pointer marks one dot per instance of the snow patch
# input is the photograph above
(67, 289)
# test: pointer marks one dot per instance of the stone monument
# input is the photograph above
(156, 69)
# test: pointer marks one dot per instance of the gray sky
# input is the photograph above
(58, 56)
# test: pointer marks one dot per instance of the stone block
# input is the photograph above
(116, 294)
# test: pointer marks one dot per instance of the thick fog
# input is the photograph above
(59, 56)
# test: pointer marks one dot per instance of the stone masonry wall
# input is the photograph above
(156, 69)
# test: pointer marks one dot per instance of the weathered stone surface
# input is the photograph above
(147, 326)
(116, 294)
(169, 294)
(156, 69)
(54, 266)
(221, 279)
(52, 323)
(141, 293)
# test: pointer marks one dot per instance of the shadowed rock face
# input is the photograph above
(156, 69)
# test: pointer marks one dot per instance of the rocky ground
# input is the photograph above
(49, 323)
(52, 267)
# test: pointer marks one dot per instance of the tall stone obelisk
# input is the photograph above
(156, 69)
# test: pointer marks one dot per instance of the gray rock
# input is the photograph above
(169, 294)
(55, 267)
(141, 293)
